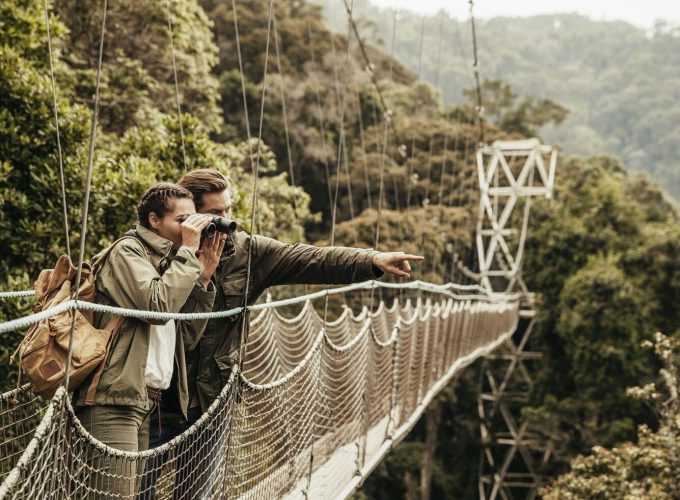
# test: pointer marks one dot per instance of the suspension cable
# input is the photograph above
(426, 200)
(480, 107)
(462, 184)
(371, 69)
(256, 164)
(360, 119)
(340, 146)
(286, 130)
(436, 84)
(459, 265)
(387, 123)
(56, 124)
(455, 193)
(341, 138)
(320, 121)
(367, 61)
(339, 104)
(174, 72)
(86, 203)
(413, 139)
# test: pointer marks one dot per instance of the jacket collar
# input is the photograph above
(155, 242)
(229, 249)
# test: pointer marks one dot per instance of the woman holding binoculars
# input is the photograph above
(160, 266)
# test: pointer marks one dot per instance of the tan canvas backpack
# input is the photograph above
(43, 353)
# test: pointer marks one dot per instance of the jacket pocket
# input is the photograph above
(118, 354)
(234, 287)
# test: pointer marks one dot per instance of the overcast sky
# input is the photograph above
(641, 13)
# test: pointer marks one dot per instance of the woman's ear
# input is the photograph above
(154, 220)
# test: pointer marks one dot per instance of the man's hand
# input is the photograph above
(396, 263)
(209, 256)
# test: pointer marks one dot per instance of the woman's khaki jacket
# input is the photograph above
(144, 272)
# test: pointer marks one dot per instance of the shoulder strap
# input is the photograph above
(114, 324)
(112, 327)
(101, 258)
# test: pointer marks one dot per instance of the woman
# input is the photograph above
(155, 269)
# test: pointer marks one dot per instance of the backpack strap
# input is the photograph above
(101, 258)
(114, 324)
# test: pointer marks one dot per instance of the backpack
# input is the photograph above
(43, 353)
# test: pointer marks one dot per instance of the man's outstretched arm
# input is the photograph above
(279, 263)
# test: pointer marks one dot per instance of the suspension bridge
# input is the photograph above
(314, 404)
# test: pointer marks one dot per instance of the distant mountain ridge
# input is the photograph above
(620, 83)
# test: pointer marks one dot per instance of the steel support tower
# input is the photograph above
(511, 174)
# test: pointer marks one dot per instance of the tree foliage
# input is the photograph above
(595, 254)
(525, 117)
(137, 68)
(620, 82)
(127, 158)
(647, 468)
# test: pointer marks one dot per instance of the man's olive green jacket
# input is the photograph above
(146, 273)
(273, 263)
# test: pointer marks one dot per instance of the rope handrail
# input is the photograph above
(15, 294)
(467, 288)
(12, 294)
(69, 305)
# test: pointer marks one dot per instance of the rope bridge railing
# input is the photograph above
(316, 406)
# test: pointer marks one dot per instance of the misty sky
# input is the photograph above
(641, 13)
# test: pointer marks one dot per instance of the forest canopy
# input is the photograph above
(603, 255)
(620, 83)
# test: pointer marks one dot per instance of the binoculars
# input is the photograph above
(217, 223)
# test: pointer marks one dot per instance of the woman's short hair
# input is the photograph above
(202, 181)
(158, 199)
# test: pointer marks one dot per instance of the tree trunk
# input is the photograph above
(432, 419)
(410, 486)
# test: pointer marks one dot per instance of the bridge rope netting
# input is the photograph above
(313, 404)
(313, 411)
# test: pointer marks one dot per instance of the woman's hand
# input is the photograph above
(191, 230)
(209, 256)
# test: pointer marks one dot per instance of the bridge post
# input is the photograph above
(510, 173)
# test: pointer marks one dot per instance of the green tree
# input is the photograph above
(137, 70)
(498, 98)
(525, 117)
(596, 254)
(644, 469)
(31, 216)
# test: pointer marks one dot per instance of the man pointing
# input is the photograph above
(273, 263)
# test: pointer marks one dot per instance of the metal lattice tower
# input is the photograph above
(511, 173)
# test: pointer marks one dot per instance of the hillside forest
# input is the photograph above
(603, 255)
(619, 82)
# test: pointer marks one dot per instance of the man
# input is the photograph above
(273, 263)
